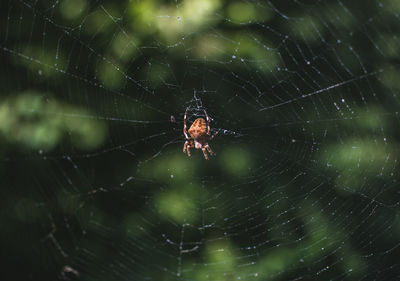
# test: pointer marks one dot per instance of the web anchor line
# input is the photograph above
(323, 90)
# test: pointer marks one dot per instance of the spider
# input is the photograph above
(199, 133)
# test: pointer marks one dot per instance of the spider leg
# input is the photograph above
(208, 123)
(185, 146)
(216, 133)
(205, 153)
(184, 124)
(188, 150)
(209, 149)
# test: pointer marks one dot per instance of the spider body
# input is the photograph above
(198, 135)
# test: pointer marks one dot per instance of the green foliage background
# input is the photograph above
(303, 186)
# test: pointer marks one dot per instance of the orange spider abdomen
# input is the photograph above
(198, 128)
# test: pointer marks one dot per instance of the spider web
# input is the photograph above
(304, 181)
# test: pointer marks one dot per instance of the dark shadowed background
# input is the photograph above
(304, 183)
